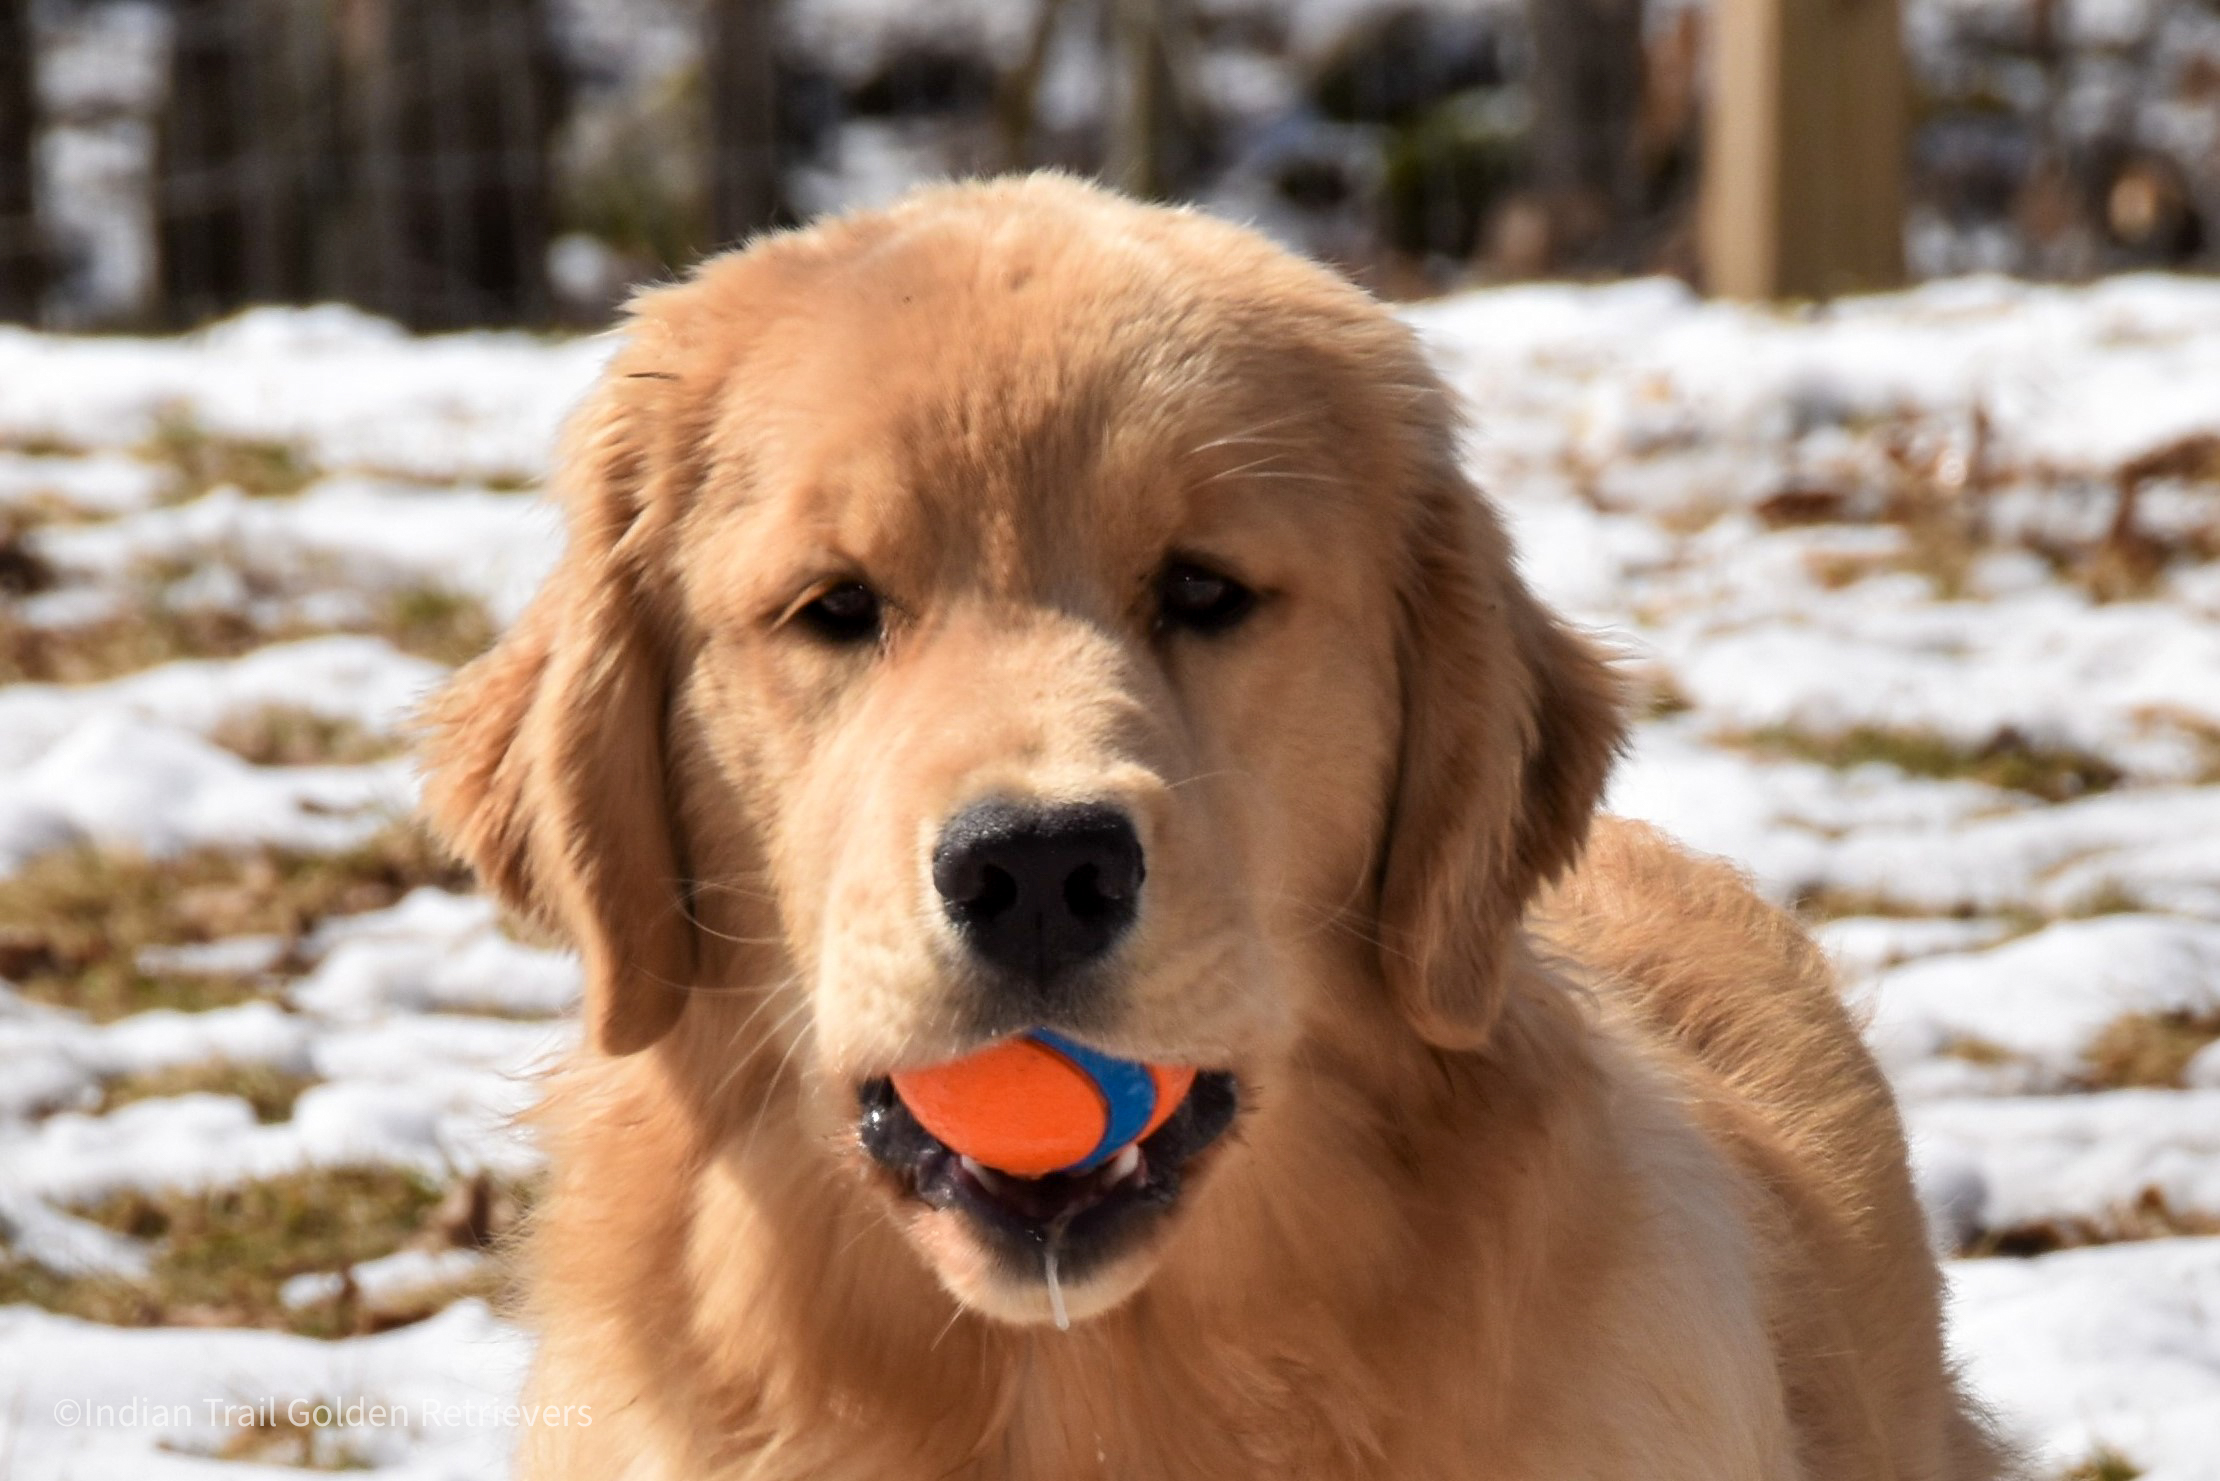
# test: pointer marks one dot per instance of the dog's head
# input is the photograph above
(1021, 608)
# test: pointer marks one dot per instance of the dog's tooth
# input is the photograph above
(1124, 1165)
(986, 1177)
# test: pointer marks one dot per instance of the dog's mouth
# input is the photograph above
(1077, 1222)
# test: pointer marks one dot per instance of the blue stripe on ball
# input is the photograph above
(1128, 1095)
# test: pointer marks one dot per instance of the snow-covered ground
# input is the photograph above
(1857, 559)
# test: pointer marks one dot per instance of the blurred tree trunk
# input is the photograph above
(1587, 106)
(1804, 148)
(1152, 143)
(22, 248)
(740, 75)
(1017, 97)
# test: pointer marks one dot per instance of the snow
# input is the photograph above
(354, 392)
(2060, 1158)
(2044, 998)
(1633, 436)
(2117, 1347)
(341, 678)
(120, 782)
(493, 546)
(94, 1404)
(390, 1282)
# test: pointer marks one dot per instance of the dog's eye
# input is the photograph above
(848, 613)
(1200, 600)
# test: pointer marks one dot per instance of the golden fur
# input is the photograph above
(1542, 1171)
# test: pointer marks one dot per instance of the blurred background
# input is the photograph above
(1850, 367)
(466, 162)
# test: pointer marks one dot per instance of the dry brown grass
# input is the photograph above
(150, 629)
(72, 923)
(2105, 1464)
(433, 622)
(23, 571)
(286, 735)
(270, 1090)
(2148, 1049)
(288, 1435)
(221, 1257)
(2149, 1216)
(1973, 1049)
(2008, 760)
(205, 460)
(139, 637)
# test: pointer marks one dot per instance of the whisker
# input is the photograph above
(704, 926)
(770, 1091)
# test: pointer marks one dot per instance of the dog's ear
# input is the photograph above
(1510, 725)
(545, 757)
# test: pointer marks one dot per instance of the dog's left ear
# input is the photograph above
(1510, 726)
(545, 756)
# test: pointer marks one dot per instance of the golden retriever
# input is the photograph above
(1132, 550)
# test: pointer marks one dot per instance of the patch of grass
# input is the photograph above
(2148, 1049)
(1819, 903)
(287, 735)
(221, 1257)
(23, 571)
(107, 1299)
(2150, 1216)
(1825, 902)
(206, 460)
(44, 447)
(1941, 548)
(433, 622)
(1834, 569)
(270, 1090)
(143, 634)
(72, 923)
(2109, 898)
(2008, 760)
(2104, 1464)
(291, 1435)
(1657, 695)
(1973, 1049)
(157, 619)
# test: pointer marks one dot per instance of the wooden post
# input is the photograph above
(22, 247)
(1803, 193)
(740, 76)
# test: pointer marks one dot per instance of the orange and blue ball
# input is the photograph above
(1041, 1103)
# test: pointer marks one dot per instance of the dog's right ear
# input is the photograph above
(1511, 722)
(545, 759)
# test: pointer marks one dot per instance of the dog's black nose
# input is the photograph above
(1039, 891)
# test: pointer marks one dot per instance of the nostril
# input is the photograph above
(1099, 889)
(997, 892)
(1083, 892)
(1039, 890)
(967, 879)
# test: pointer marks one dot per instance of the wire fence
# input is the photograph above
(449, 163)
(393, 153)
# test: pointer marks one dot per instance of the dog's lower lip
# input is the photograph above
(1090, 1216)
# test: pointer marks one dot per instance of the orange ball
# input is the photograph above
(1041, 1103)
